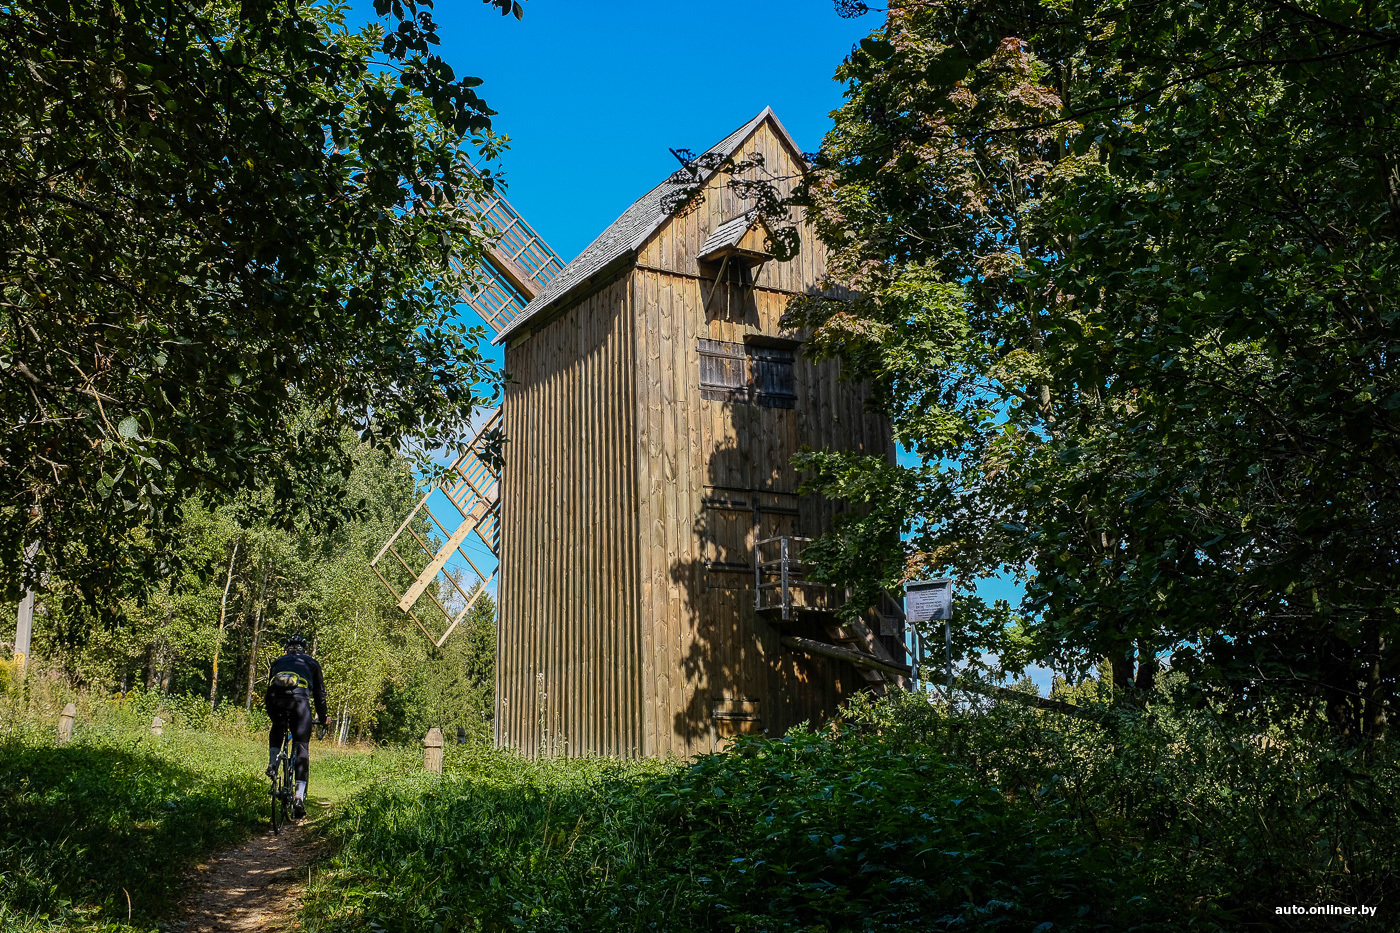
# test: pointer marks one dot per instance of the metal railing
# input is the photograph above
(784, 577)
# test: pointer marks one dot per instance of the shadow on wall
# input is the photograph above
(738, 676)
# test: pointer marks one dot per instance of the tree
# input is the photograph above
(228, 231)
(1128, 285)
(380, 670)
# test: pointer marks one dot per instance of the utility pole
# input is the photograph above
(24, 625)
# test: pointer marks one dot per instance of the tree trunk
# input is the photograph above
(1120, 660)
(1375, 715)
(1340, 682)
(223, 612)
(257, 633)
(155, 672)
(1146, 666)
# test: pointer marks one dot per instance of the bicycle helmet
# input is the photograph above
(295, 640)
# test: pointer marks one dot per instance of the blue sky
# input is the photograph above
(593, 94)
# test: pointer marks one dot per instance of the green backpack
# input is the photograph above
(287, 681)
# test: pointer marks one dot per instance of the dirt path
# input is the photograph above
(253, 887)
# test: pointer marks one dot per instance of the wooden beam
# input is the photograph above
(513, 273)
(1033, 700)
(858, 658)
(481, 588)
(394, 537)
(440, 561)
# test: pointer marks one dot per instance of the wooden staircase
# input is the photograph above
(785, 596)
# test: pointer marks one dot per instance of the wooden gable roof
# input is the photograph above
(618, 244)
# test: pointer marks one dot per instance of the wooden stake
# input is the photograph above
(432, 751)
(65, 724)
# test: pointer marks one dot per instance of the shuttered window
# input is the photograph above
(739, 373)
(773, 381)
(723, 371)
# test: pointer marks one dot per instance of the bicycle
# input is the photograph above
(284, 784)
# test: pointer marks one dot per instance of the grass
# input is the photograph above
(113, 816)
(901, 816)
(98, 835)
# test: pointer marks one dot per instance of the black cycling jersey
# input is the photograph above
(306, 668)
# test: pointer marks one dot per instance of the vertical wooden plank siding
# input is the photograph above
(708, 638)
(567, 622)
(620, 478)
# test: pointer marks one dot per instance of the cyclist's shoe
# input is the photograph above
(298, 808)
(271, 771)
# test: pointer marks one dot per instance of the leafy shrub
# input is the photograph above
(1218, 820)
(902, 816)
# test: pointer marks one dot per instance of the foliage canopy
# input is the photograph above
(228, 231)
(1128, 283)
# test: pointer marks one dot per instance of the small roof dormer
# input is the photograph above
(742, 239)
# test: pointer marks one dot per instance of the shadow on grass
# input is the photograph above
(84, 827)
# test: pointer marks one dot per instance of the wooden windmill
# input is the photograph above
(653, 596)
(653, 600)
(519, 264)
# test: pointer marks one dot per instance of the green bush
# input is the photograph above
(902, 816)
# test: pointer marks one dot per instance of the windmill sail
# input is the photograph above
(519, 264)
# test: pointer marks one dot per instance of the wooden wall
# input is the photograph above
(630, 506)
(715, 475)
(569, 655)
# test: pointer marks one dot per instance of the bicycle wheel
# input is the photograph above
(277, 814)
(282, 795)
(288, 791)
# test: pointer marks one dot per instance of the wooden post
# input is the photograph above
(787, 611)
(24, 621)
(157, 725)
(432, 751)
(65, 724)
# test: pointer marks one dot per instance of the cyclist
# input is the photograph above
(293, 682)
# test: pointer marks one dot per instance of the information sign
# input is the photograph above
(926, 600)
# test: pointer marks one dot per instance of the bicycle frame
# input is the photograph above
(283, 783)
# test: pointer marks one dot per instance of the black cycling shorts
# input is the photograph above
(290, 711)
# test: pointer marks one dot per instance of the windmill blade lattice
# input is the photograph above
(519, 264)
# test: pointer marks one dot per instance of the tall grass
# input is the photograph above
(903, 816)
(104, 829)
(111, 816)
